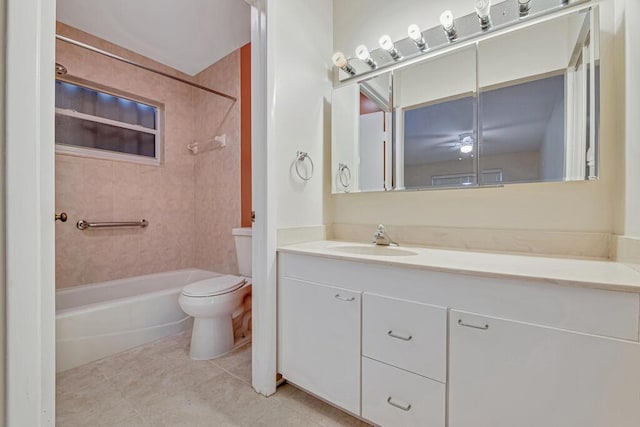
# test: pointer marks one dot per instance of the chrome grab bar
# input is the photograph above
(84, 224)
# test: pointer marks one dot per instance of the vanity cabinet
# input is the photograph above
(404, 362)
(398, 345)
(319, 340)
(504, 373)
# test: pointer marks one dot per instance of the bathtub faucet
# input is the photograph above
(382, 238)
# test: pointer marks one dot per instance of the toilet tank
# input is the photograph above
(242, 237)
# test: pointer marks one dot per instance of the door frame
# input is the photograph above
(264, 227)
(30, 193)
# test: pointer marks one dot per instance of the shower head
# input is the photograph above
(61, 70)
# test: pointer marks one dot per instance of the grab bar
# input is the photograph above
(84, 224)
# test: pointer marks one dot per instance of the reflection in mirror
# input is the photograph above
(361, 113)
(534, 103)
(374, 139)
(435, 106)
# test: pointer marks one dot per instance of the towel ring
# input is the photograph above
(344, 175)
(301, 156)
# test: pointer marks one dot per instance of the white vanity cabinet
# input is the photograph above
(319, 340)
(405, 345)
(505, 373)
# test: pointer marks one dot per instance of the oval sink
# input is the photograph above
(372, 250)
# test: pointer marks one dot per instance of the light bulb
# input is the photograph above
(341, 61)
(363, 54)
(446, 19)
(416, 35)
(386, 43)
(524, 6)
(483, 10)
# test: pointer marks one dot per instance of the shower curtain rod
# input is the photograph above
(144, 67)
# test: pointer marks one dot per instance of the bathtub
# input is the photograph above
(96, 320)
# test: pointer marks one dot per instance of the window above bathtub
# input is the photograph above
(103, 124)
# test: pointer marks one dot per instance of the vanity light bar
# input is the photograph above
(485, 18)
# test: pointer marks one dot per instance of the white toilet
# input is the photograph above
(212, 302)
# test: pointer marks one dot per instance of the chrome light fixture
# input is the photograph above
(363, 54)
(341, 61)
(524, 6)
(483, 10)
(446, 20)
(416, 35)
(386, 43)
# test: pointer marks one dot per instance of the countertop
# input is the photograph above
(598, 274)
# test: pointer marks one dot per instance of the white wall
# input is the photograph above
(300, 48)
(574, 206)
(632, 92)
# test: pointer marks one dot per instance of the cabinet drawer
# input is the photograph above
(393, 397)
(409, 335)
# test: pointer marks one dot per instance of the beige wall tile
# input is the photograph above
(191, 202)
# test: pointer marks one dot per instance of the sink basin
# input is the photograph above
(372, 250)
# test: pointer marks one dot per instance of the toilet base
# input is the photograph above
(211, 337)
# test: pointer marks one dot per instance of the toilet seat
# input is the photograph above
(213, 286)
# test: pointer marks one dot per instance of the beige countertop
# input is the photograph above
(599, 274)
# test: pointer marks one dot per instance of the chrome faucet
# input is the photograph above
(382, 238)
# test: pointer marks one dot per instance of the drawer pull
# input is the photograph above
(400, 337)
(341, 298)
(483, 327)
(405, 407)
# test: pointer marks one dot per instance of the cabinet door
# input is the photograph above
(505, 374)
(319, 340)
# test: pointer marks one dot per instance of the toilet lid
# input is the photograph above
(213, 286)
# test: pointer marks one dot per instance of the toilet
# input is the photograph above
(212, 303)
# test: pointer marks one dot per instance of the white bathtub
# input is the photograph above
(100, 319)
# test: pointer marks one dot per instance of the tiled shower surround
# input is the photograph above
(191, 202)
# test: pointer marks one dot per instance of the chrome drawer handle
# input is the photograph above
(400, 337)
(405, 407)
(484, 327)
(341, 298)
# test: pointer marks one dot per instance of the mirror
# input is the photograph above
(435, 107)
(534, 102)
(362, 136)
(518, 107)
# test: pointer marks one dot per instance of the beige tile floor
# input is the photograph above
(159, 385)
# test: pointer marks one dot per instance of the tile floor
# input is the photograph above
(159, 385)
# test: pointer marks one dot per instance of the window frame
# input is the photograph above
(99, 153)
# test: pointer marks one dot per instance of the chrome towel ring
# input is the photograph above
(301, 156)
(344, 175)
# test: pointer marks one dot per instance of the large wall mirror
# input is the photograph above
(517, 107)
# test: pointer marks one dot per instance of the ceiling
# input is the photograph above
(188, 35)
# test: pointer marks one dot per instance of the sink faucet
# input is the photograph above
(382, 238)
